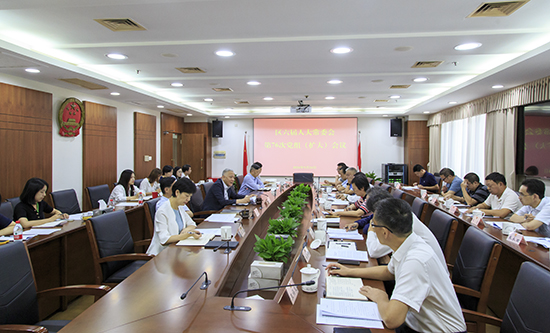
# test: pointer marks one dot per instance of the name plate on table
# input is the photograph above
(397, 185)
(311, 233)
(516, 238)
(268, 200)
(292, 292)
(476, 220)
(424, 195)
(241, 231)
(453, 209)
(256, 212)
(265, 203)
(433, 200)
(306, 254)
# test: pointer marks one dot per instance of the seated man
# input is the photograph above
(502, 201)
(535, 213)
(473, 192)
(424, 299)
(346, 187)
(341, 170)
(360, 185)
(167, 171)
(427, 180)
(186, 170)
(378, 250)
(222, 193)
(453, 182)
(166, 188)
(252, 181)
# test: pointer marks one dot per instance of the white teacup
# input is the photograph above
(226, 233)
(478, 213)
(328, 205)
(508, 227)
(449, 203)
(321, 235)
(322, 224)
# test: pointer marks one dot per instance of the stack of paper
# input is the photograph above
(191, 241)
(409, 187)
(215, 231)
(342, 245)
(346, 254)
(349, 309)
(340, 202)
(538, 240)
(227, 218)
(53, 224)
(344, 288)
(336, 233)
(498, 225)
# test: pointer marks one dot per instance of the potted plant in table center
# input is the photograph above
(285, 226)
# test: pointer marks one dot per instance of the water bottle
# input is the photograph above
(111, 202)
(140, 202)
(17, 232)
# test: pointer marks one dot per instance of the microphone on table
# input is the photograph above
(227, 249)
(204, 285)
(232, 307)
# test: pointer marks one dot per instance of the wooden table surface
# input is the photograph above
(149, 300)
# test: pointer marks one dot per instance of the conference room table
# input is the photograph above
(149, 300)
(511, 257)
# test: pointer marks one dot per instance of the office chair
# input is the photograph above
(443, 226)
(150, 210)
(65, 201)
(419, 208)
(302, 177)
(195, 205)
(137, 182)
(386, 187)
(14, 201)
(205, 188)
(6, 209)
(96, 193)
(19, 297)
(397, 194)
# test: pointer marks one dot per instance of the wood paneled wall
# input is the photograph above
(25, 138)
(145, 143)
(99, 141)
(206, 130)
(168, 124)
(417, 146)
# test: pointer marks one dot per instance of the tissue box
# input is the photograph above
(255, 283)
(266, 270)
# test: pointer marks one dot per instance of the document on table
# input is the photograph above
(339, 321)
(343, 234)
(191, 241)
(342, 245)
(340, 202)
(227, 218)
(498, 225)
(349, 309)
(410, 187)
(127, 204)
(344, 288)
(215, 231)
(53, 224)
(26, 235)
(346, 254)
(42, 231)
(538, 240)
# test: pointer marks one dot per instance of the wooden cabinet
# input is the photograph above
(417, 144)
(197, 149)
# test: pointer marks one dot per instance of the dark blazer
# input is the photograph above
(215, 200)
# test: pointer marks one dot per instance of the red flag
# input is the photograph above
(359, 155)
(245, 159)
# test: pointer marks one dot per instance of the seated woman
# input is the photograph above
(30, 211)
(151, 183)
(178, 172)
(125, 188)
(172, 224)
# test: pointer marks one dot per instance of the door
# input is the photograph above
(194, 154)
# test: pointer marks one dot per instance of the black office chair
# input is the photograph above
(205, 188)
(113, 248)
(18, 295)
(474, 269)
(527, 309)
(397, 193)
(443, 226)
(137, 182)
(150, 210)
(195, 205)
(96, 193)
(419, 208)
(14, 201)
(66, 202)
(6, 209)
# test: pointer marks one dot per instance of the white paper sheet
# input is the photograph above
(346, 254)
(50, 224)
(42, 231)
(222, 218)
(342, 245)
(215, 231)
(336, 233)
(498, 225)
(337, 321)
(349, 309)
(127, 204)
(344, 288)
(538, 240)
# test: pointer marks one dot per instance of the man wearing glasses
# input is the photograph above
(453, 182)
(535, 214)
(423, 299)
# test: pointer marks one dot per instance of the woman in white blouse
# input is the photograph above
(151, 183)
(172, 224)
(125, 188)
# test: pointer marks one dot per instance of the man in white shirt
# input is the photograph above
(535, 214)
(186, 170)
(502, 201)
(423, 299)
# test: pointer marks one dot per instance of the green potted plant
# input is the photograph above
(373, 176)
(272, 248)
(295, 212)
(283, 226)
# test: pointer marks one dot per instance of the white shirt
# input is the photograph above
(509, 199)
(423, 284)
(166, 226)
(377, 250)
(146, 186)
(163, 199)
(119, 194)
(225, 188)
(541, 213)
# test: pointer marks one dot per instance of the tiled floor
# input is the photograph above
(75, 308)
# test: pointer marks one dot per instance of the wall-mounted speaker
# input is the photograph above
(396, 127)
(217, 129)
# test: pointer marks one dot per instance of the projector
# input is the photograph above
(300, 109)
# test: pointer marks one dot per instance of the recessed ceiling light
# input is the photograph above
(334, 82)
(225, 53)
(189, 114)
(395, 96)
(467, 46)
(426, 111)
(253, 83)
(268, 98)
(160, 106)
(176, 84)
(116, 56)
(209, 100)
(341, 50)
(385, 115)
(228, 109)
(226, 117)
(377, 80)
(114, 93)
(329, 97)
(497, 86)
(420, 79)
(328, 108)
(32, 70)
(453, 102)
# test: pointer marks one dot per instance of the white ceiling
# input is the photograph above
(283, 44)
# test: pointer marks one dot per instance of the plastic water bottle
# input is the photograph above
(140, 202)
(112, 202)
(17, 232)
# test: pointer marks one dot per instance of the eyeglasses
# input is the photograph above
(381, 226)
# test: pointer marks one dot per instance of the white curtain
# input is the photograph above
(500, 144)
(463, 146)
(435, 149)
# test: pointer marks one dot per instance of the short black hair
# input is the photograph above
(361, 182)
(184, 185)
(535, 186)
(352, 169)
(472, 177)
(446, 172)
(175, 170)
(256, 166)
(154, 175)
(124, 180)
(342, 166)
(166, 169)
(532, 171)
(417, 168)
(166, 182)
(395, 214)
(375, 194)
(496, 177)
(33, 186)
(186, 167)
